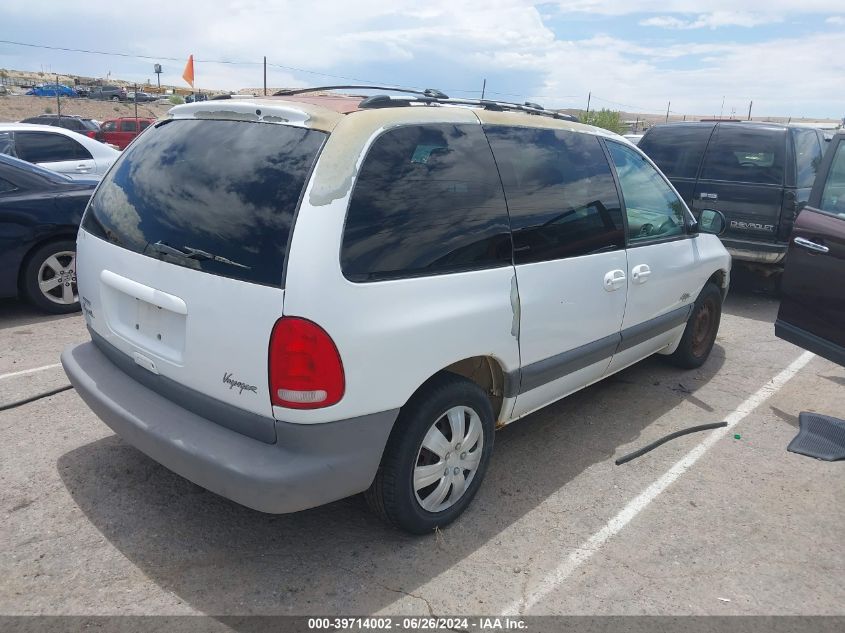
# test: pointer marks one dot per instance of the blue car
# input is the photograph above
(50, 90)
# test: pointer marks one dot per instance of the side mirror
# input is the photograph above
(711, 221)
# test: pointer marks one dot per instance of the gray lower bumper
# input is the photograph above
(309, 465)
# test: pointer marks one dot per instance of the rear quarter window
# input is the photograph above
(744, 153)
(677, 150)
(215, 196)
(428, 200)
(808, 156)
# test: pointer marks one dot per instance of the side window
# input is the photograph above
(677, 149)
(741, 153)
(6, 186)
(6, 144)
(144, 125)
(127, 126)
(808, 156)
(833, 194)
(428, 200)
(109, 126)
(654, 211)
(560, 191)
(43, 147)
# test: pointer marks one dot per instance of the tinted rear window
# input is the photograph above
(742, 153)
(428, 201)
(221, 193)
(677, 149)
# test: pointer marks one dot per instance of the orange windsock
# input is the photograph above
(188, 74)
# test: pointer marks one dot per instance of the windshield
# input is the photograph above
(215, 196)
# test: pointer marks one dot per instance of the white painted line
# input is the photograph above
(593, 544)
(29, 371)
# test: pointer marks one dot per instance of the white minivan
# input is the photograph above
(296, 299)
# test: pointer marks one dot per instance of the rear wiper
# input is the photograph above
(194, 253)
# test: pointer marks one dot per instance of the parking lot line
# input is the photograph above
(593, 544)
(24, 372)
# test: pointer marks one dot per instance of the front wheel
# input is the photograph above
(436, 456)
(49, 278)
(702, 327)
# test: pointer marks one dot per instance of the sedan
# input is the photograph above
(52, 90)
(40, 212)
(58, 149)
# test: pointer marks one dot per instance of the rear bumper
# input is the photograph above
(753, 251)
(309, 465)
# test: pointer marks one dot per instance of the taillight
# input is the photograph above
(305, 367)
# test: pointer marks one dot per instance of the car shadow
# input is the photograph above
(222, 558)
(15, 313)
(751, 296)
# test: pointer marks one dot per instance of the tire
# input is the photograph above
(702, 327)
(49, 278)
(115, 98)
(416, 508)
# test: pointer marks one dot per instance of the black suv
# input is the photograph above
(106, 93)
(88, 127)
(758, 174)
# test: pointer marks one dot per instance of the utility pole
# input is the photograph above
(58, 100)
(483, 88)
(668, 105)
(265, 75)
(589, 97)
(751, 103)
(135, 99)
(722, 109)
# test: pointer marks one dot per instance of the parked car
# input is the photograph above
(3, 90)
(758, 174)
(295, 301)
(140, 96)
(86, 127)
(40, 212)
(108, 93)
(195, 97)
(634, 138)
(120, 132)
(812, 306)
(82, 91)
(51, 90)
(57, 148)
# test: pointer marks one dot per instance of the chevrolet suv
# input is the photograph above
(293, 300)
(758, 175)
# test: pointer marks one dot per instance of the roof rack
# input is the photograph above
(432, 96)
(428, 92)
(386, 101)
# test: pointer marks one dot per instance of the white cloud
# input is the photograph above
(712, 20)
(471, 38)
(836, 19)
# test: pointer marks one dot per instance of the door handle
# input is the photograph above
(640, 274)
(810, 245)
(614, 280)
(83, 168)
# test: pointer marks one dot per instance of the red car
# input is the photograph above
(120, 132)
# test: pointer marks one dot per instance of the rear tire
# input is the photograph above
(49, 278)
(702, 327)
(418, 489)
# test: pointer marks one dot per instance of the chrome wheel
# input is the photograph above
(57, 278)
(448, 459)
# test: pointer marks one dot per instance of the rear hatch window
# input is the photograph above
(214, 196)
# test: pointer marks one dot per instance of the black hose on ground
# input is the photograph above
(671, 436)
(53, 392)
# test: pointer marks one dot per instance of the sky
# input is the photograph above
(705, 57)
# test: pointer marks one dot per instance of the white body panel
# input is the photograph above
(564, 304)
(102, 156)
(210, 325)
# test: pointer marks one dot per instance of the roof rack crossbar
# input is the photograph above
(386, 101)
(428, 92)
